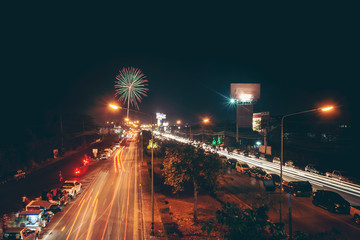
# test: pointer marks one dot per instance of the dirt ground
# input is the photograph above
(176, 211)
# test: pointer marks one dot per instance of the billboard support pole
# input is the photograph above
(237, 123)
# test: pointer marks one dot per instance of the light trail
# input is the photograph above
(319, 180)
(92, 220)
(77, 215)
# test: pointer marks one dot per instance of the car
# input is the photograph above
(242, 167)
(72, 187)
(313, 168)
(289, 164)
(103, 156)
(257, 172)
(276, 160)
(355, 213)
(276, 179)
(338, 175)
(22, 233)
(246, 153)
(231, 163)
(331, 201)
(298, 188)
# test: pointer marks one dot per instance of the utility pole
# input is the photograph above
(61, 134)
(290, 218)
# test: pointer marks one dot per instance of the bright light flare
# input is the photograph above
(114, 106)
(232, 100)
(206, 120)
(327, 108)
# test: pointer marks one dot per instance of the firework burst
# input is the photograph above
(130, 86)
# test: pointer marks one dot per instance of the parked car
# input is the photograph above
(298, 188)
(355, 213)
(276, 160)
(289, 164)
(72, 187)
(22, 233)
(314, 169)
(269, 183)
(246, 153)
(331, 201)
(236, 150)
(257, 172)
(338, 175)
(242, 167)
(276, 179)
(231, 163)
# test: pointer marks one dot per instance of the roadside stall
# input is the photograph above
(39, 205)
(32, 219)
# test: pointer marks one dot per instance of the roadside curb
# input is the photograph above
(146, 207)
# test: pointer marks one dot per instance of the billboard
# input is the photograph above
(245, 93)
(265, 149)
(261, 121)
(160, 117)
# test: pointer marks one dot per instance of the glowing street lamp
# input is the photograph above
(114, 106)
(206, 120)
(327, 108)
(178, 122)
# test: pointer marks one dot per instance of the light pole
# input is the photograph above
(282, 144)
(152, 160)
(205, 121)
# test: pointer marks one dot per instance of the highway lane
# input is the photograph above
(108, 207)
(45, 178)
(305, 216)
(349, 191)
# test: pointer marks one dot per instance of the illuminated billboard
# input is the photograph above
(160, 117)
(245, 93)
(260, 121)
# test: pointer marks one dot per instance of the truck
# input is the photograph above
(22, 233)
(338, 175)
(355, 213)
(72, 187)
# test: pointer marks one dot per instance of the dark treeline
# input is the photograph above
(29, 140)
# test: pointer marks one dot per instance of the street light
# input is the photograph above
(282, 142)
(205, 121)
(152, 159)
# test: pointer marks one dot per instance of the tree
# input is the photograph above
(187, 164)
(245, 223)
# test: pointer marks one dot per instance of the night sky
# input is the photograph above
(65, 57)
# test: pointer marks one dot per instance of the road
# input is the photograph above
(45, 178)
(305, 216)
(350, 191)
(109, 206)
